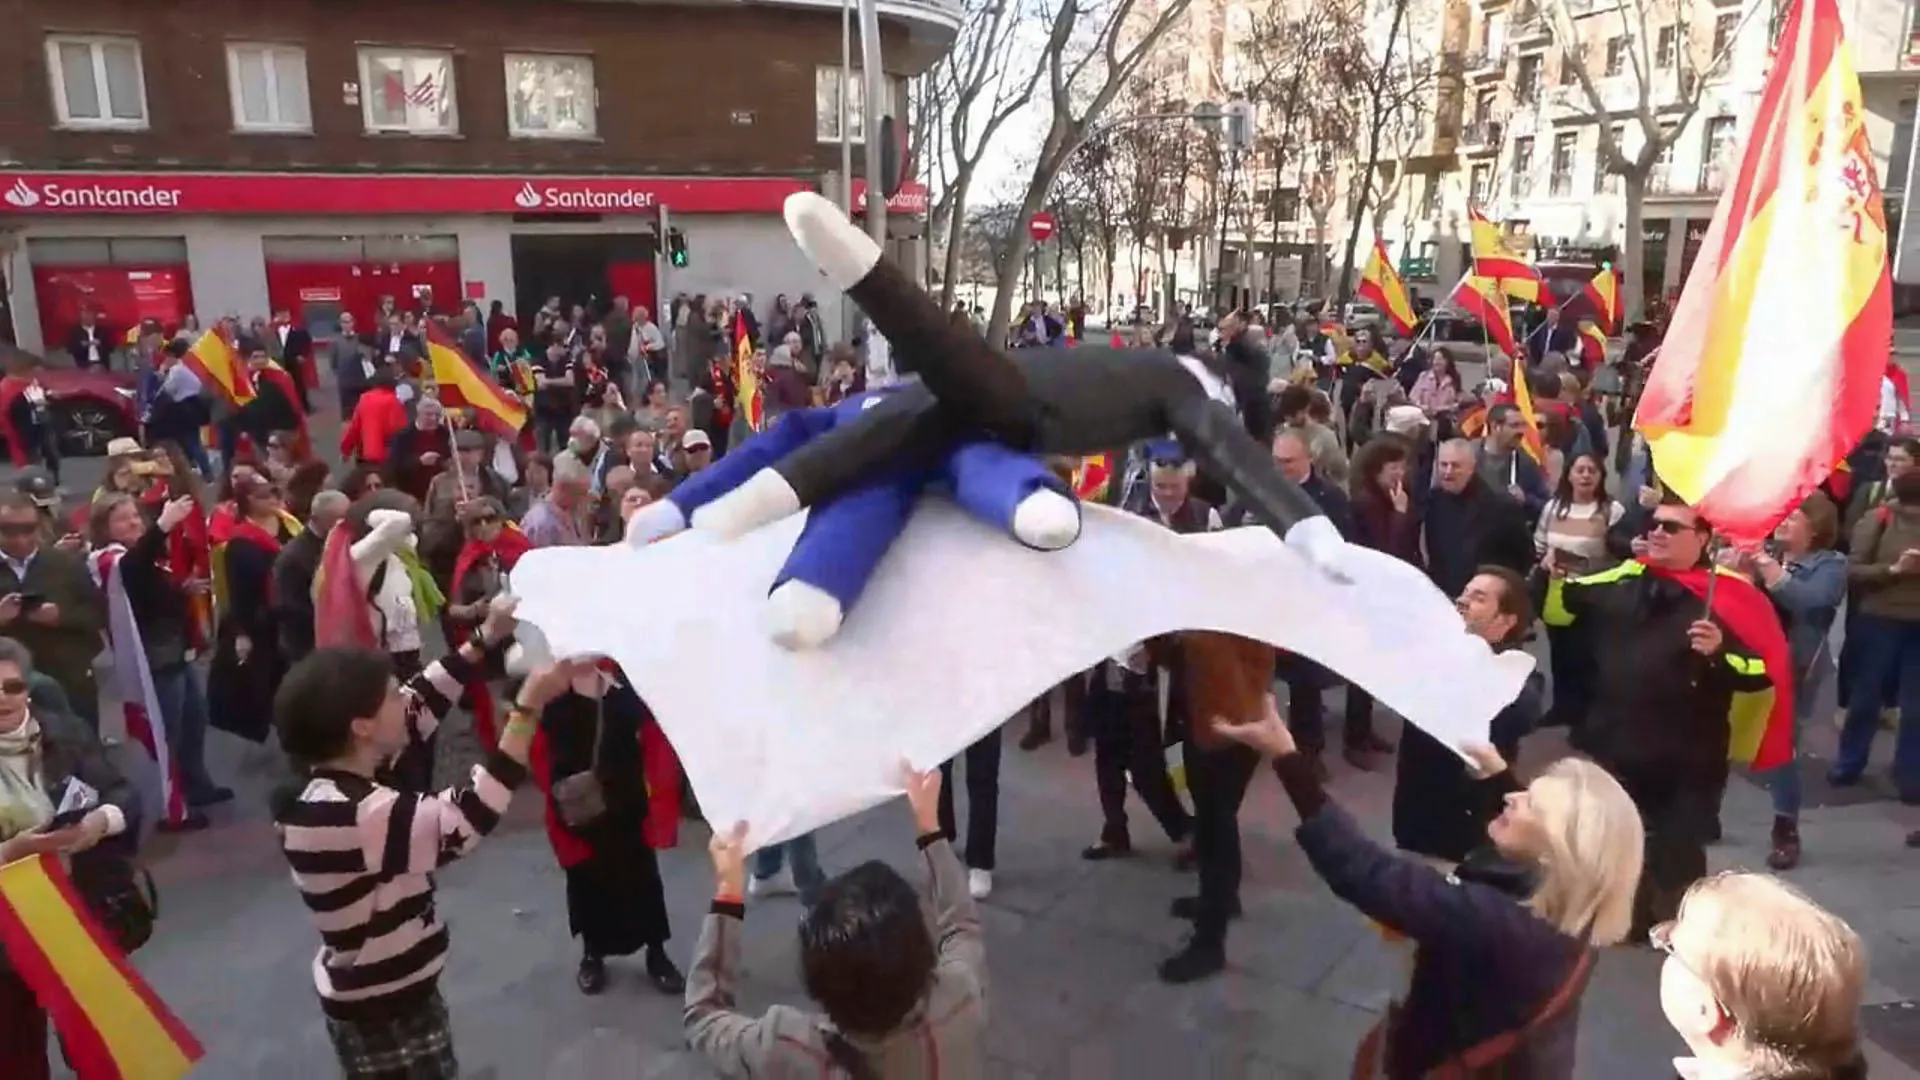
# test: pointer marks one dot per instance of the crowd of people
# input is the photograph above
(223, 560)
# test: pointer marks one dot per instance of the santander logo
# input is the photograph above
(528, 199)
(22, 196)
(578, 196)
(110, 194)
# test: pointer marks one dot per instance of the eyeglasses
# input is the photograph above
(13, 687)
(1669, 527)
(1661, 938)
(18, 528)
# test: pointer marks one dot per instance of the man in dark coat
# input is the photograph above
(1469, 525)
(50, 604)
(293, 572)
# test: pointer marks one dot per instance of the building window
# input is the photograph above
(1724, 29)
(97, 82)
(1483, 107)
(1480, 186)
(1496, 34)
(1719, 147)
(269, 88)
(1287, 205)
(1522, 167)
(551, 97)
(408, 90)
(1617, 54)
(1527, 85)
(826, 105)
(1666, 47)
(1565, 147)
(1569, 69)
(1900, 149)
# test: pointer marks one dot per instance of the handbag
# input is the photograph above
(579, 798)
(1484, 1059)
(121, 896)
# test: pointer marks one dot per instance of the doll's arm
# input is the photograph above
(387, 532)
(670, 515)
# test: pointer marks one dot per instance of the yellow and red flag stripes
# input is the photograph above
(1091, 478)
(746, 381)
(464, 385)
(1534, 444)
(219, 366)
(1481, 297)
(1493, 258)
(1603, 292)
(1744, 420)
(1380, 284)
(1593, 343)
(113, 1025)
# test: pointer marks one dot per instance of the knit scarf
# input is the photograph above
(427, 597)
(23, 805)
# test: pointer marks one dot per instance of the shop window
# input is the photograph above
(269, 88)
(408, 91)
(97, 82)
(551, 97)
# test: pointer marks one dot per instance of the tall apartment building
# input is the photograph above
(214, 156)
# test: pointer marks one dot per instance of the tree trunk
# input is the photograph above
(1376, 128)
(956, 225)
(1044, 177)
(1633, 252)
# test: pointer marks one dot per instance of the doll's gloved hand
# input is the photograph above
(1320, 541)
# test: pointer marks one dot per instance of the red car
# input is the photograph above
(91, 407)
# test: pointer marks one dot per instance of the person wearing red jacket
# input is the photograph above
(377, 417)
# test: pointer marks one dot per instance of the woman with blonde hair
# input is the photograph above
(1762, 983)
(1502, 952)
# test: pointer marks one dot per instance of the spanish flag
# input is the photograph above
(113, 1025)
(1091, 477)
(219, 366)
(1494, 258)
(1743, 420)
(1380, 284)
(1535, 445)
(1482, 298)
(465, 385)
(1593, 344)
(746, 381)
(1603, 292)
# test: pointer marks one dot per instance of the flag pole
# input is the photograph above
(453, 451)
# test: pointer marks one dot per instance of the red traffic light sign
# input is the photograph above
(1040, 227)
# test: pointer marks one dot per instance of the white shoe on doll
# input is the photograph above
(655, 521)
(802, 616)
(1046, 520)
(1318, 539)
(842, 250)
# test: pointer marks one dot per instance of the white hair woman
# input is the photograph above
(1762, 983)
(1500, 963)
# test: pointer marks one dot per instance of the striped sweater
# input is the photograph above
(363, 856)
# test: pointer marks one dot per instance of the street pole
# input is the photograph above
(846, 113)
(875, 107)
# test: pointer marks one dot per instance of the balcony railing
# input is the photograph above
(1530, 24)
(1481, 133)
(1483, 62)
(1711, 178)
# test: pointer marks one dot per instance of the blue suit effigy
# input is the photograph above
(845, 537)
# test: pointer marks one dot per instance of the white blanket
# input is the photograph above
(959, 629)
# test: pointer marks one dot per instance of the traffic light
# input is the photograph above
(677, 248)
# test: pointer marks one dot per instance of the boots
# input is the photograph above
(1786, 844)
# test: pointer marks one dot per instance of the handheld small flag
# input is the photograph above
(113, 1025)
(1603, 292)
(219, 367)
(463, 385)
(1381, 285)
(1534, 444)
(1480, 297)
(1593, 344)
(745, 380)
(1494, 258)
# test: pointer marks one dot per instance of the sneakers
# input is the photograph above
(980, 884)
(780, 883)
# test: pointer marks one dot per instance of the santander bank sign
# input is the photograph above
(320, 194)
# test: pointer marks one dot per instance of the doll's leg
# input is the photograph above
(834, 558)
(1214, 435)
(1015, 492)
(972, 379)
(667, 516)
(903, 434)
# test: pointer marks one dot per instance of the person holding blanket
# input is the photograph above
(1501, 959)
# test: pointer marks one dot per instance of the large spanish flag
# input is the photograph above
(219, 366)
(1482, 298)
(1603, 292)
(465, 385)
(113, 1025)
(1533, 442)
(1380, 284)
(1494, 258)
(1743, 419)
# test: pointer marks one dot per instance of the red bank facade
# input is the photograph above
(215, 157)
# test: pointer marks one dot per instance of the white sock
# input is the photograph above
(766, 497)
(659, 518)
(843, 252)
(801, 616)
(1046, 520)
(1318, 539)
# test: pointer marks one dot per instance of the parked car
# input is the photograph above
(90, 407)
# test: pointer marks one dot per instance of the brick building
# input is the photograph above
(215, 156)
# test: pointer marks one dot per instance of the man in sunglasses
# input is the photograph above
(49, 603)
(1665, 674)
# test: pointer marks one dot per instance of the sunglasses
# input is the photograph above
(18, 529)
(1670, 528)
(13, 687)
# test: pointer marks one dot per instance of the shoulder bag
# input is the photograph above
(1486, 1058)
(579, 798)
(120, 894)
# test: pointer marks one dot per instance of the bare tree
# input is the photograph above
(1150, 174)
(1089, 199)
(1386, 74)
(981, 83)
(986, 241)
(1668, 79)
(1090, 55)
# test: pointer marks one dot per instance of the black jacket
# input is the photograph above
(1478, 527)
(1331, 500)
(1438, 808)
(1655, 703)
(293, 572)
(159, 605)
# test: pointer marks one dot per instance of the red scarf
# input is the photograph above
(228, 525)
(341, 612)
(188, 557)
(1748, 614)
(507, 548)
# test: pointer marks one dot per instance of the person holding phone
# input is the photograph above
(1571, 541)
(49, 758)
(49, 603)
